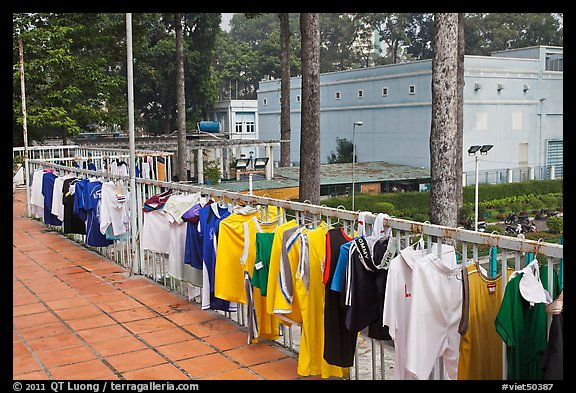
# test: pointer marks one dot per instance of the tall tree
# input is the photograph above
(489, 32)
(310, 121)
(444, 130)
(74, 73)
(460, 120)
(285, 90)
(180, 100)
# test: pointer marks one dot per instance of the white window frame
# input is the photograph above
(385, 92)
(338, 95)
(360, 93)
(412, 89)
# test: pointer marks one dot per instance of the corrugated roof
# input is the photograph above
(332, 174)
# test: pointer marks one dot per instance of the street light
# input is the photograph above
(359, 124)
(473, 150)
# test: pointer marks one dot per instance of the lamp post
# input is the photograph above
(474, 150)
(356, 123)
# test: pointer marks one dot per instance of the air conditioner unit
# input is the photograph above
(500, 86)
(525, 88)
(477, 86)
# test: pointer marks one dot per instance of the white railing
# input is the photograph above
(471, 246)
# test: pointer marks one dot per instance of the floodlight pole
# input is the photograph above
(476, 196)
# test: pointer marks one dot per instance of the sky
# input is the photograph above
(225, 20)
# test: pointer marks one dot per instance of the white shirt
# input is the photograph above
(177, 205)
(155, 234)
(36, 197)
(114, 210)
(397, 301)
(57, 205)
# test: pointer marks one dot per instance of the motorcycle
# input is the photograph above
(516, 229)
(513, 230)
(511, 219)
(529, 227)
(470, 225)
(544, 214)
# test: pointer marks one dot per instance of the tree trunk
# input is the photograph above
(285, 90)
(444, 130)
(180, 101)
(460, 132)
(310, 118)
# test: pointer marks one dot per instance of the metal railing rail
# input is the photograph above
(129, 252)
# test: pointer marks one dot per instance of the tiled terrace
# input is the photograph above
(78, 315)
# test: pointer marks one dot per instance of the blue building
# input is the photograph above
(512, 100)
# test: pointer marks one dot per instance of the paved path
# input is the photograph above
(78, 315)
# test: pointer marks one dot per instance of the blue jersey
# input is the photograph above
(92, 194)
(79, 205)
(339, 273)
(210, 217)
(47, 189)
(193, 248)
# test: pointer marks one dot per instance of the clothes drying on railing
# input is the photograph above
(114, 211)
(72, 222)
(164, 230)
(48, 181)
(235, 263)
(522, 320)
(481, 346)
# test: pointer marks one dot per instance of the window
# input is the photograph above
(482, 121)
(298, 98)
(554, 62)
(249, 126)
(238, 126)
(384, 92)
(412, 89)
(265, 101)
(360, 93)
(517, 120)
(337, 95)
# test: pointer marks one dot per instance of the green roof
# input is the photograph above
(332, 174)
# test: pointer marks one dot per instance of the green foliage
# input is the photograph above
(490, 228)
(344, 151)
(555, 224)
(212, 171)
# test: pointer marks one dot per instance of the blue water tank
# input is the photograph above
(208, 126)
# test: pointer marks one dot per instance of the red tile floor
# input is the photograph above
(78, 315)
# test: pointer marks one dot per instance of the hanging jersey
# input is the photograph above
(310, 294)
(283, 263)
(523, 328)
(435, 314)
(208, 225)
(72, 223)
(553, 357)
(155, 234)
(47, 190)
(339, 342)
(397, 302)
(340, 271)
(481, 347)
(79, 200)
(36, 197)
(94, 237)
(265, 325)
(262, 262)
(229, 275)
(366, 286)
